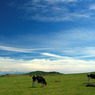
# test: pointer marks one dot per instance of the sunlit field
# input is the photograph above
(67, 84)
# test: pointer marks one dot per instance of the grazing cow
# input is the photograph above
(91, 76)
(39, 79)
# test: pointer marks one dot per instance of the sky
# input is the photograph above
(47, 35)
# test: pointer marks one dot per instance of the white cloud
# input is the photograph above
(55, 56)
(52, 55)
(59, 42)
(55, 10)
(13, 49)
(81, 34)
(58, 1)
(75, 37)
(9, 65)
(80, 52)
(55, 1)
(7, 48)
(92, 7)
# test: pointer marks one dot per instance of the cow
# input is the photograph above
(39, 79)
(90, 76)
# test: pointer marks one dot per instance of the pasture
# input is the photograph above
(66, 84)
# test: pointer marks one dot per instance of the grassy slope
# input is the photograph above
(70, 84)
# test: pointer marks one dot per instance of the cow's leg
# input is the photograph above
(89, 79)
(43, 85)
(33, 84)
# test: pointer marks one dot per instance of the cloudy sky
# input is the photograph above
(47, 35)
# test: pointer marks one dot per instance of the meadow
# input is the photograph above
(68, 84)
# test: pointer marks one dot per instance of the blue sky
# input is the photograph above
(47, 35)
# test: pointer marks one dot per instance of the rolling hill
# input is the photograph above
(42, 73)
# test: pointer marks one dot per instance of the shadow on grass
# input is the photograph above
(36, 87)
(89, 84)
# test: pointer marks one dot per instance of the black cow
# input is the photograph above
(91, 76)
(39, 79)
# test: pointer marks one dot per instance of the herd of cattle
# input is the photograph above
(42, 80)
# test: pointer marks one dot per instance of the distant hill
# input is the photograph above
(91, 73)
(41, 73)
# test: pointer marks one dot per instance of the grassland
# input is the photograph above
(69, 84)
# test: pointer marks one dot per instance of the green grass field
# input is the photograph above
(69, 84)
